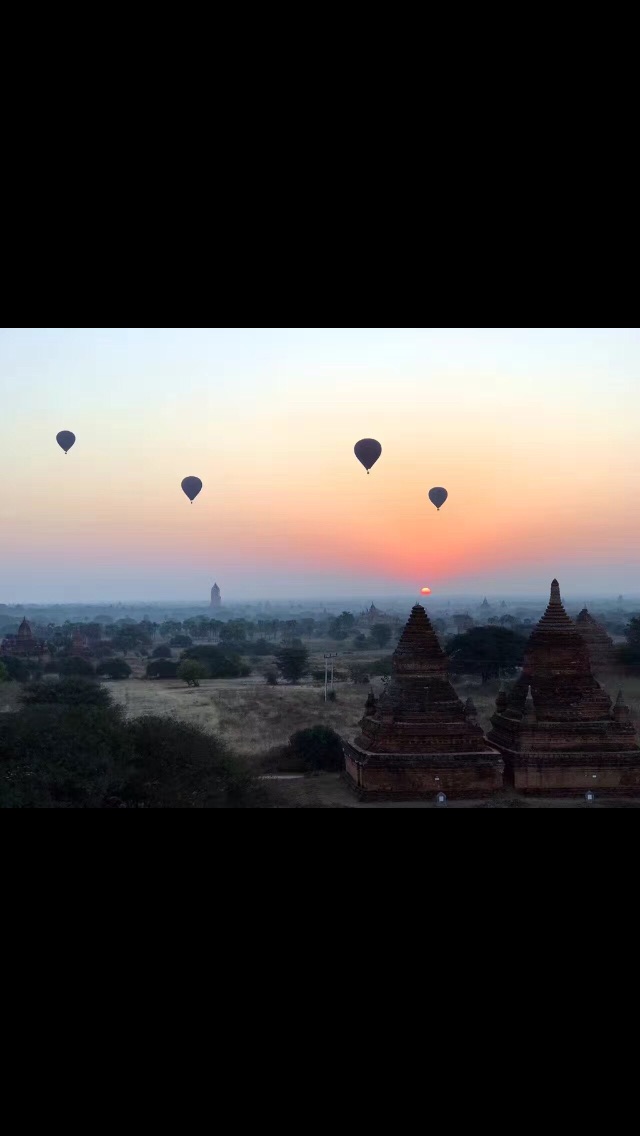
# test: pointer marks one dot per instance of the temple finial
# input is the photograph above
(555, 592)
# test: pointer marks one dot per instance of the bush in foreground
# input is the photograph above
(318, 748)
(66, 692)
(70, 747)
(178, 766)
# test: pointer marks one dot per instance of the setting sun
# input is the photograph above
(425, 592)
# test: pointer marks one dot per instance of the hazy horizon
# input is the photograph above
(532, 431)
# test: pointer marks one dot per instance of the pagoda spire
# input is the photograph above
(555, 617)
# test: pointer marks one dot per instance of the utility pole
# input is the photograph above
(328, 660)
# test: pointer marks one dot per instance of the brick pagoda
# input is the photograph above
(599, 643)
(557, 728)
(24, 645)
(419, 739)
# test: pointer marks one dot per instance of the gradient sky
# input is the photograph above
(532, 430)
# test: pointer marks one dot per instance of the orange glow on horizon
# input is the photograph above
(426, 592)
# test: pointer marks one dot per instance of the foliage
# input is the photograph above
(114, 668)
(219, 662)
(338, 676)
(4, 674)
(628, 655)
(381, 635)
(72, 691)
(161, 652)
(486, 651)
(360, 642)
(179, 766)
(162, 668)
(183, 641)
(293, 663)
(271, 678)
(71, 665)
(61, 756)
(379, 668)
(339, 628)
(19, 670)
(261, 648)
(192, 672)
(318, 748)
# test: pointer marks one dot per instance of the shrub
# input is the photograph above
(271, 678)
(162, 668)
(219, 662)
(179, 766)
(318, 748)
(4, 674)
(73, 665)
(61, 757)
(192, 672)
(162, 652)
(181, 641)
(19, 670)
(66, 692)
(114, 668)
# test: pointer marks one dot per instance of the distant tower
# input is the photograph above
(216, 598)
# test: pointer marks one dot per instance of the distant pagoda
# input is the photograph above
(419, 739)
(24, 644)
(557, 728)
(600, 644)
(216, 598)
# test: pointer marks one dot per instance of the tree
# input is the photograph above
(114, 668)
(183, 641)
(192, 672)
(628, 655)
(318, 748)
(4, 674)
(162, 668)
(293, 663)
(486, 651)
(339, 628)
(381, 635)
(162, 652)
(19, 670)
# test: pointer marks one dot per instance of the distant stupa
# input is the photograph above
(216, 598)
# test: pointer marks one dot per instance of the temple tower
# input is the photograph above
(419, 738)
(599, 643)
(556, 728)
(216, 598)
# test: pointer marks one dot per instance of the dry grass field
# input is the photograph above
(251, 716)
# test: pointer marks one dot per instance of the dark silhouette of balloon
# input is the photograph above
(192, 486)
(438, 497)
(368, 452)
(66, 440)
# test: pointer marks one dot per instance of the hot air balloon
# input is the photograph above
(66, 440)
(192, 486)
(438, 497)
(368, 452)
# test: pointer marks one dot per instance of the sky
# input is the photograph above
(533, 431)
